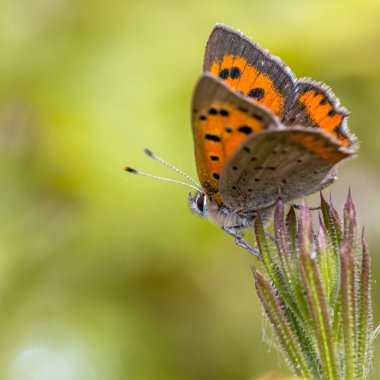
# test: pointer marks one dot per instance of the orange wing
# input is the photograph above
(222, 120)
(317, 107)
(249, 69)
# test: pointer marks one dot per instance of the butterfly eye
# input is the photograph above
(201, 202)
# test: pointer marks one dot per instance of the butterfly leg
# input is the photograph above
(239, 240)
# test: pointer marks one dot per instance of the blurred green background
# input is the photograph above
(104, 275)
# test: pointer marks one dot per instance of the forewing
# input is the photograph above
(299, 161)
(249, 69)
(316, 106)
(222, 120)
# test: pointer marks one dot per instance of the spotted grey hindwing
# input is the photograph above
(316, 106)
(296, 160)
(249, 69)
(222, 120)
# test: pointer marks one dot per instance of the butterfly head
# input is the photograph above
(198, 204)
(207, 207)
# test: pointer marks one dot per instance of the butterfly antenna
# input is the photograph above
(133, 171)
(152, 155)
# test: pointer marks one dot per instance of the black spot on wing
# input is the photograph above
(211, 137)
(245, 129)
(224, 74)
(256, 93)
(235, 73)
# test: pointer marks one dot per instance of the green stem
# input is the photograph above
(319, 311)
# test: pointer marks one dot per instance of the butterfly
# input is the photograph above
(259, 132)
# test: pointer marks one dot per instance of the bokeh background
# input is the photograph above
(104, 275)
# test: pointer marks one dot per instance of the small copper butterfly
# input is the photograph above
(259, 131)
